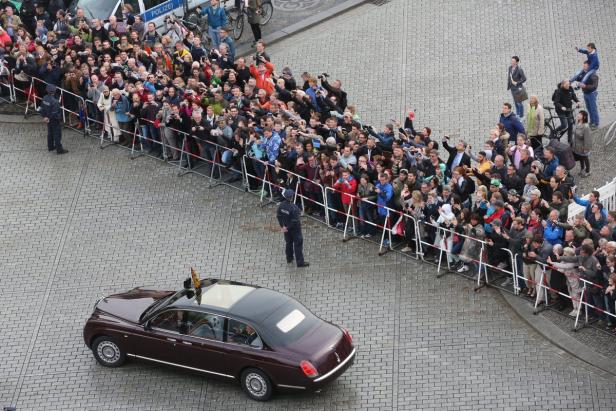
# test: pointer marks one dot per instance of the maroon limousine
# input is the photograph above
(230, 330)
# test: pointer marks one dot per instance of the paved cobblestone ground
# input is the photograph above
(94, 222)
(448, 59)
(286, 13)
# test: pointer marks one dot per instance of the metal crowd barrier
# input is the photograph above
(6, 85)
(268, 185)
(542, 300)
(190, 162)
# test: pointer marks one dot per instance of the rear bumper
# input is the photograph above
(336, 372)
(322, 380)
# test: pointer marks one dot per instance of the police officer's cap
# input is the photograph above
(288, 194)
(51, 89)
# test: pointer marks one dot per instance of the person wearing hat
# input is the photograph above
(289, 219)
(51, 112)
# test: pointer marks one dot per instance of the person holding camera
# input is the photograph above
(457, 155)
(262, 72)
(255, 17)
(335, 89)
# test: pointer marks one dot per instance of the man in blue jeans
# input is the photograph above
(216, 19)
(589, 82)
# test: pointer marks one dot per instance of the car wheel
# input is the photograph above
(256, 384)
(107, 352)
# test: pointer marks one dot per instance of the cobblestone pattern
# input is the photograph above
(448, 59)
(94, 222)
(287, 13)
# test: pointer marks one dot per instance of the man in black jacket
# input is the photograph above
(457, 155)
(51, 111)
(370, 150)
(335, 89)
(563, 99)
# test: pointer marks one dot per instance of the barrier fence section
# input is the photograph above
(373, 218)
(426, 235)
(6, 85)
(579, 296)
(270, 178)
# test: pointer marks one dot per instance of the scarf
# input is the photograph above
(531, 121)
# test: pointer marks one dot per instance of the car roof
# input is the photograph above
(233, 299)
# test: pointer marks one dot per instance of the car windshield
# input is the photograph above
(288, 324)
(94, 9)
(162, 303)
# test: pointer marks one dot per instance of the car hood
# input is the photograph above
(131, 304)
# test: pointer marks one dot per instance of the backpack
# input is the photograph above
(564, 153)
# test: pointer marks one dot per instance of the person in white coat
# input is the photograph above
(110, 124)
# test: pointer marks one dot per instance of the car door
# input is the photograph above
(203, 346)
(156, 10)
(161, 336)
(244, 347)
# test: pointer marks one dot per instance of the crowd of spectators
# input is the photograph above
(512, 192)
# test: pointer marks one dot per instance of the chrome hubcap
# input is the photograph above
(108, 352)
(256, 384)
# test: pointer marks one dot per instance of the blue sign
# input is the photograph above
(161, 10)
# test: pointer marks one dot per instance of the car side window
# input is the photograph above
(171, 320)
(242, 333)
(148, 4)
(205, 325)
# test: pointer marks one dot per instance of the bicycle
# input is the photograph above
(609, 136)
(552, 127)
(193, 21)
(236, 17)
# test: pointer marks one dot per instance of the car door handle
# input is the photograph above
(186, 342)
(172, 339)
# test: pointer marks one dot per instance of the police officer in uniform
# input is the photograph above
(289, 219)
(52, 113)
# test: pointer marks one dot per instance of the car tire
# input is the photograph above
(256, 384)
(107, 352)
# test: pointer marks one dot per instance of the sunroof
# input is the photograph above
(224, 295)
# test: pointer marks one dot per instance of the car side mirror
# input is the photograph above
(147, 326)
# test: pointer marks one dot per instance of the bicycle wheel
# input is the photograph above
(194, 19)
(609, 135)
(266, 12)
(236, 22)
(549, 133)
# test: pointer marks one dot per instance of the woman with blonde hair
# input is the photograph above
(535, 122)
(480, 204)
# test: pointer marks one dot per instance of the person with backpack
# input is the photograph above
(582, 143)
